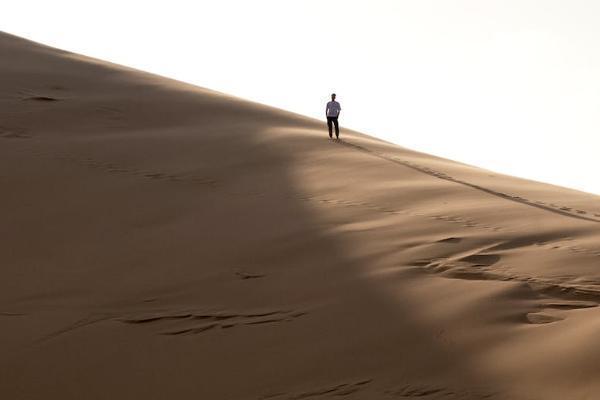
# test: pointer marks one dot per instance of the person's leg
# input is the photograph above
(329, 125)
(337, 128)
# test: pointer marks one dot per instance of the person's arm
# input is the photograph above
(326, 109)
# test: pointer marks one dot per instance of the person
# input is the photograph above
(332, 111)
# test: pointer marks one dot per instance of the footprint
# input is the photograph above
(433, 391)
(14, 135)
(118, 171)
(18, 133)
(471, 267)
(481, 259)
(156, 175)
(40, 98)
(450, 240)
(541, 318)
(416, 391)
(569, 305)
(338, 390)
(194, 322)
(150, 300)
(422, 263)
(248, 275)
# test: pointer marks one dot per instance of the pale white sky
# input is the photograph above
(508, 85)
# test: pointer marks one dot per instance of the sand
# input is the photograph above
(164, 241)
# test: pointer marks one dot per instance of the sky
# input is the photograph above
(508, 85)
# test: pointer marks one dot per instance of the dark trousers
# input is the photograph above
(333, 121)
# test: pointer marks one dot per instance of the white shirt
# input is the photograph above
(333, 109)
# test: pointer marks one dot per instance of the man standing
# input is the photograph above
(332, 111)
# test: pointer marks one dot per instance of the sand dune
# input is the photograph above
(161, 241)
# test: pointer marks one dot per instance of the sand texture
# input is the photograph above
(164, 241)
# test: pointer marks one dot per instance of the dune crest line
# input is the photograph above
(441, 175)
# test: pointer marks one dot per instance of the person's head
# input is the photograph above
(332, 96)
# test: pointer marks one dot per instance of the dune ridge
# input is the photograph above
(161, 240)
